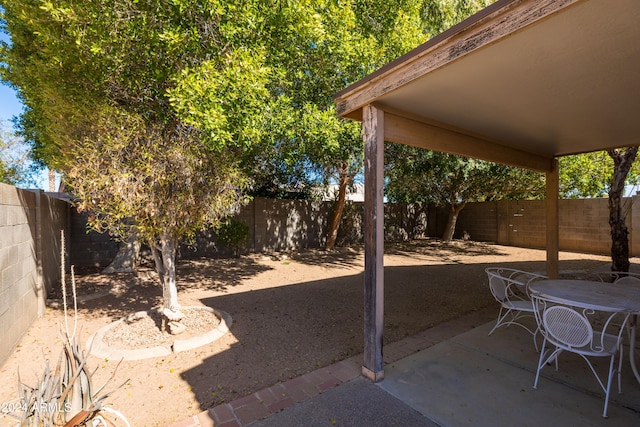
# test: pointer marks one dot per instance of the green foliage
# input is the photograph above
(221, 85)
(225, 104)
(323, 47)
(590, 175)
(234, 233)
(422, 176)
(169, 183)
(144, 106)
(439, 15)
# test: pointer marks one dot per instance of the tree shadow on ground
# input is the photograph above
(141, 291)
(281, 333)
(218, 274)
(434, 248)
(442, 249)
(339, 257)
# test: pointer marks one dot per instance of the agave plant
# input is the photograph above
(64, 395)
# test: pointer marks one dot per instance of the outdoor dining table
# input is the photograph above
(599, 296)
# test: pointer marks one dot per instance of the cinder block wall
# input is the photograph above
(19, 290)
(289, 224)
(584, 225)
(479, 221)
(88, 248)
(55, 216)
(274, 225)
(27, 222)
(527, 223)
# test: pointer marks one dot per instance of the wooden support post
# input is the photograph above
(553, 234)
(373, 134)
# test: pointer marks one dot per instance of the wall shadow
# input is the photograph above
(288, 331)
(443, 250)
(437, 249)
(348, 256)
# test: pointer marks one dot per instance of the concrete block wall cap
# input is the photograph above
(99, 348)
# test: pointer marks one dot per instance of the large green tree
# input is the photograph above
(347, 41)
(415, 175)
(144, 106)
(591, 175)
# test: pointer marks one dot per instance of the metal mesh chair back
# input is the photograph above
(567, 326)
(498, 287)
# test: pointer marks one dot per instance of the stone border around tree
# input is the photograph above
(99, 348)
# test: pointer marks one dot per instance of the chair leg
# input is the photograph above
(606, 397)
(502, 321)
(540, 363)
(621, 351)
(546, 357)
(501, 318)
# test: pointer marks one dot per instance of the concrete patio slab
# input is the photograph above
(476, 380)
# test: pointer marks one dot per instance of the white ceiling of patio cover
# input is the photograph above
(567, 84)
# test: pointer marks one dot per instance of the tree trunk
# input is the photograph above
(127, 257)
(454, 211)
(334, 225)
(52, 180)
(619, 232)
(165, 260)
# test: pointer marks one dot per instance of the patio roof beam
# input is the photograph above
(438, 137)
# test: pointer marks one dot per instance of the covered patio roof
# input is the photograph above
(522, 82)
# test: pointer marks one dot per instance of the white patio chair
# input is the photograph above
(575, 329)
(628, 280)
(615, 276)
(510, 288)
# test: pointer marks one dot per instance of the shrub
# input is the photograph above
(235, 234)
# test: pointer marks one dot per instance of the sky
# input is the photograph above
(9, 104)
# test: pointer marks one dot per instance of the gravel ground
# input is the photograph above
(147, 329)
(292, 313)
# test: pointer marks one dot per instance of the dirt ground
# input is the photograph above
(292, 313)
